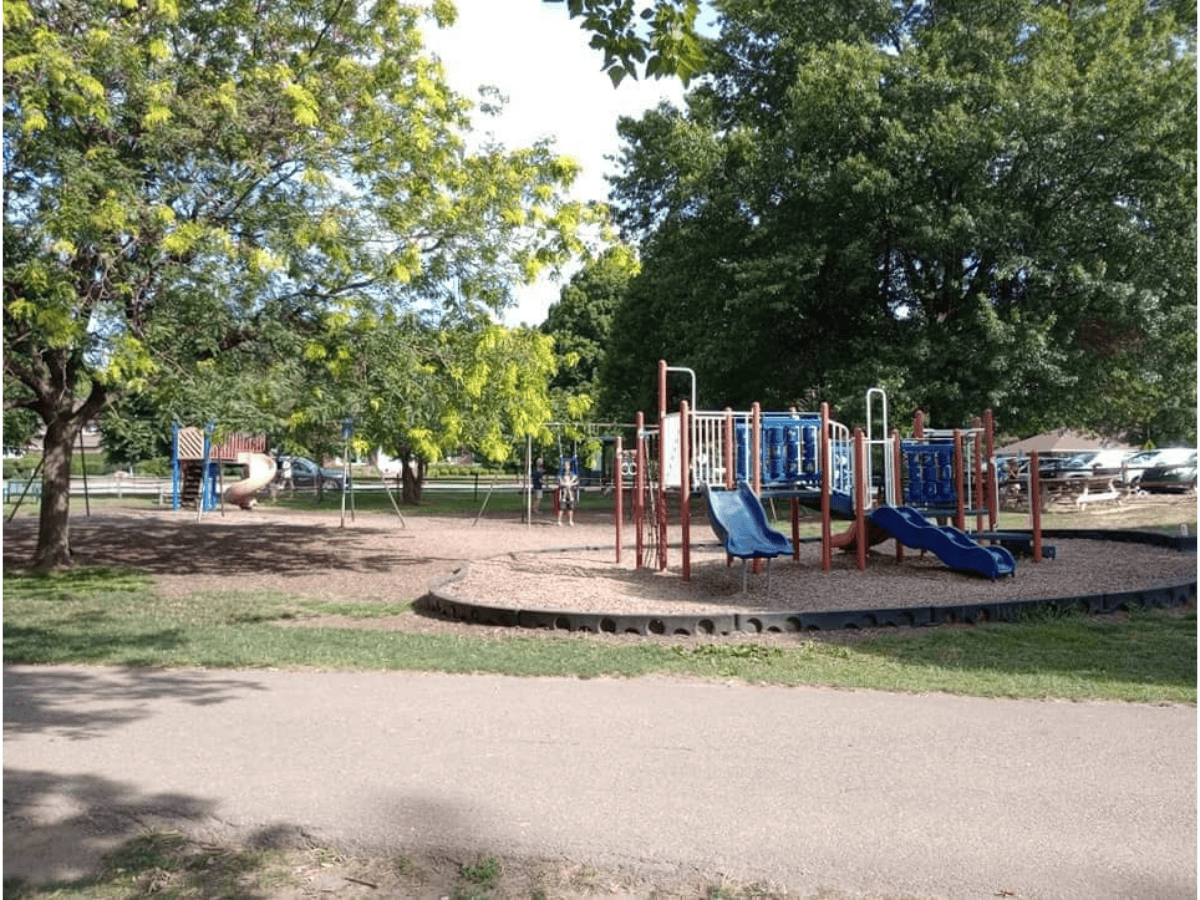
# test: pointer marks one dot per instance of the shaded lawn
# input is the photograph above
(106, 616)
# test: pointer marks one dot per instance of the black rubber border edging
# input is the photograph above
(441, 602)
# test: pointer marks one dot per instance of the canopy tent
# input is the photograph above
(1062, 440)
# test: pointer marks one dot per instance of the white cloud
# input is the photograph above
(540, 59)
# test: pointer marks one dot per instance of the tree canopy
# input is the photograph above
(198, 194)
(420, 392)
(581, 321)
(984, 204)
(656, 39)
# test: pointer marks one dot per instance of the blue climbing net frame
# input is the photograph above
(790, 454)
(930, 470)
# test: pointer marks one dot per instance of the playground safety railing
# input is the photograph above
(708, 448)
(789, 448)
(881, 447)
(16, 488)
(94, 485)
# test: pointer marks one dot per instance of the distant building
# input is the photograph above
(91, 440)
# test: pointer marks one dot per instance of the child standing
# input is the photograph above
(568, 493)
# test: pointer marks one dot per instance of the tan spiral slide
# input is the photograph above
(260, 470)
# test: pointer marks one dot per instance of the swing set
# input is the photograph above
(597, 438)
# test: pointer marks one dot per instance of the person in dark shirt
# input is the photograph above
(539, 473)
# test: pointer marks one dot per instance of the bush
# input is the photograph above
(95, 464)
(445, 470)
(21, 467)
(154, 468)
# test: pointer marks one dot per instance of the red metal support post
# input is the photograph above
(860, 497)
(897, 490)
(1035, 505)
(756, 448)
(730, 456)
(960, 515)
(795, 512)
(639, 491)
(685, 489)
(618, 495)
(993, 480)
(661, 507)
(826, 487)
(980, 492)
(756, 463)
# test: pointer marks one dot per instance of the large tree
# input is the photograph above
(973, 204)
(580, 322)
(421, 392)
(193, 188)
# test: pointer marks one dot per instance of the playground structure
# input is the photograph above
(886, 486)
(197, 467)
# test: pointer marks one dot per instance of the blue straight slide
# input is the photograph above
(740, 522)
(953, 547)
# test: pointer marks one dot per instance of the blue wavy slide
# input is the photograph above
(740, 521)
(953, 547)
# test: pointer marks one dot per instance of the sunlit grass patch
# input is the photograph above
(117, 617)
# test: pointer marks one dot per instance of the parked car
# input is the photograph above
(1056, 464)
(1095, 463)
(306, 474)
(1083, 464)
(1078, 466)
(1179, 474)
(1137, 464)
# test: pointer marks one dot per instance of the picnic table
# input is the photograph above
(1080, 491)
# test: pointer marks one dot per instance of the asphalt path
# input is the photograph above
(854, 792)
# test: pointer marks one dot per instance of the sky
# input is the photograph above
(540, 59)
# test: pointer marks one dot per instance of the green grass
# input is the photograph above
(505, 500)
(104, 616)
(483, 873)
(165, 865)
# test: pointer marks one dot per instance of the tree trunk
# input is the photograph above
(411, 493)
(54, 539)
(64, 418)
